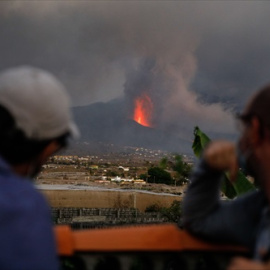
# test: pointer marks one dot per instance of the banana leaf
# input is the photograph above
(230, 190)
(200, 142)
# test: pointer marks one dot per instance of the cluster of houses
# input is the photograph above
(70, 159)
(127, 180)
(97, 173)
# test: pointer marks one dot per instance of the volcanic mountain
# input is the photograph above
(108, 123)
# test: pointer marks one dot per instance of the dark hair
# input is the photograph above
(15, 147)
(260, 105)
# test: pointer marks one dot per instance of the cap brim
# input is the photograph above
(74, 131)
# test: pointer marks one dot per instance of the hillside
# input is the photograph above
(106, 123)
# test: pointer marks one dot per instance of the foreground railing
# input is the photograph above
(147, 247)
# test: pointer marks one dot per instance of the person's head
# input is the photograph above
(255, 137)
(35, 117)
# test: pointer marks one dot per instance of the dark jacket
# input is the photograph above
(242, 221)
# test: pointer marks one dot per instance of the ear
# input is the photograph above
(49, 150)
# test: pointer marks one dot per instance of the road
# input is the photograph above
(86, 187)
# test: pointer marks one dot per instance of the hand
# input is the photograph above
(239, 263)
(221, 155)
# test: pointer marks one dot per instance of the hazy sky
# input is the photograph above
(199, 60)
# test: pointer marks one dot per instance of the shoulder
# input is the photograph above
(18, 196)
(25, 223)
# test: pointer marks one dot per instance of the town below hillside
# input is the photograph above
(111, 170)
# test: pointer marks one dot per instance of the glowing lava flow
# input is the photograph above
(143, 110)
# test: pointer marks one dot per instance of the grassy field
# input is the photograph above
(106, 199)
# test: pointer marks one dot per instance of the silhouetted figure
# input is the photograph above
(245, 220)
(35, 122)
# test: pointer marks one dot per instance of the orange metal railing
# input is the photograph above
(154, 238)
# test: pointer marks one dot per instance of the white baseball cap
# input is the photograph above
(38, 103)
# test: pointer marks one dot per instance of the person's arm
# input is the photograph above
(202, 195)
(205, 215)
(239, 263)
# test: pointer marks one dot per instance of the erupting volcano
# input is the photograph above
(143, 110)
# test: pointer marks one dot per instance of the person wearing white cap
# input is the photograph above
(35, 122)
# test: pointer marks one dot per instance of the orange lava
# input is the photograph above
(143, 110)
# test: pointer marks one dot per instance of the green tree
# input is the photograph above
(158, 175)
(163, 163)
(111, 173)
(182, 169)
(143, 176)
(153, 208)
(172, 213)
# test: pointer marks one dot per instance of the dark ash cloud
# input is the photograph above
(198, 60)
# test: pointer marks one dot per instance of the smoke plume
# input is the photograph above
(197, 61)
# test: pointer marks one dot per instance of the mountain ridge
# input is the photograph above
(108, 123)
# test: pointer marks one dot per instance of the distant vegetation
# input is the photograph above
(171, 213)
(173, 171)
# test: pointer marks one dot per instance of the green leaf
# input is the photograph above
(240, 186)
(200, 142)
(227, 188)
